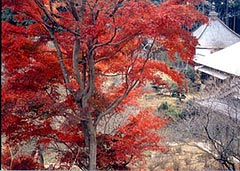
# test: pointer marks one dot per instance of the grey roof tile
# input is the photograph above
(215, 34)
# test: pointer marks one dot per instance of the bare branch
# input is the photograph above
(105, 43)
(76, 52)
(127, 91)
(109, 56)
(118, 5)
(91, 75)
(43, 7)
(125, 39)
(74, 10)
(60, 56)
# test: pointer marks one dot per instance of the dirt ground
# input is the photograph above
(180, 156)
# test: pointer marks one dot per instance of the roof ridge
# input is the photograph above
(203, 30)
(228, 27)
(221, 22)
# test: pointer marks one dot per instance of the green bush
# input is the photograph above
(189, 73)
(170, 111)
(163, 106)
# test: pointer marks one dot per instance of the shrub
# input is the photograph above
(163, 106)
(189, 73)
(170, 111)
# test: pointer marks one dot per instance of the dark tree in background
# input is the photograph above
(229, 12)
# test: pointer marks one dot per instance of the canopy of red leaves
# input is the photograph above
(36, 98)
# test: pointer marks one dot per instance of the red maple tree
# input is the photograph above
(59, 94)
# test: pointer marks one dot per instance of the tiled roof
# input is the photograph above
(215, 34)
(226, 60)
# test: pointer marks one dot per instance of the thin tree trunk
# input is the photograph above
(234, 23)
(226, 14)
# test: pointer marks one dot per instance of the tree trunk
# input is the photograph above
(234, 23)
(226, 13)
(90, 141)
(92, 145)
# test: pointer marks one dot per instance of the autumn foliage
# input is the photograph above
(58, 90)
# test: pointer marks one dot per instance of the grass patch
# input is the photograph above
(170, 110)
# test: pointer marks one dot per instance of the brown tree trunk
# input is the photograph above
(90, 141)
(92, 146)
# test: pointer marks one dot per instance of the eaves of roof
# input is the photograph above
(226, 60)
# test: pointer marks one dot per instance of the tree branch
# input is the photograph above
(118, 5)
(105, 43)
(76, 52)
(60, 56)
(127, 91)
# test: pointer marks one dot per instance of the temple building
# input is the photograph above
(217, 53)
(218, 57)
(222, 64)
(214, 36)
